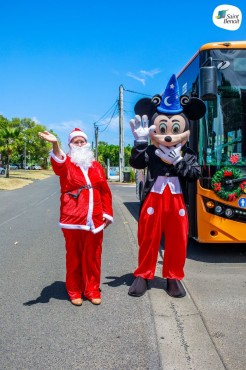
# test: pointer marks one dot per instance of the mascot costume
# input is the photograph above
(170, 165)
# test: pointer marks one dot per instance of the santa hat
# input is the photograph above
(170, 102)
(76, 132)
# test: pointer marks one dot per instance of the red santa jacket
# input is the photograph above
(85, 195)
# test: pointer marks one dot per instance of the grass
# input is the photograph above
(19, 178)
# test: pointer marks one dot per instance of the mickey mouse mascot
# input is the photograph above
(170, 164)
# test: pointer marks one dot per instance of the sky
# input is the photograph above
(62, 62)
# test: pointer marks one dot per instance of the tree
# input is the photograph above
(127, 152)
(106, 152)
(25, 143)
(111, 152)
(8, 135)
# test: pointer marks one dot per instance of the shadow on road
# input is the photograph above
(57, 290)
(211, 253)
(127, 279)
(216, 253)
(133, 208)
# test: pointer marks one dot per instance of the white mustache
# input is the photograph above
(81, 155)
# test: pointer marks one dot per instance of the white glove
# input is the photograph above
(140, 128)
(171, 155)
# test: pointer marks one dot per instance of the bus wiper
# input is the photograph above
(234, 181)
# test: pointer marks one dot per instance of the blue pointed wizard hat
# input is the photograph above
(170, 102)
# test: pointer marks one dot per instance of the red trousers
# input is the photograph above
(83, 263)
(162, 214)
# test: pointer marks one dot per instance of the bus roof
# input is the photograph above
(224, 45)
(216, 45)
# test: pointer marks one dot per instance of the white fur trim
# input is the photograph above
(58, 160)
(72, 226)
(76, 134)
(81, 227)
(95, 231)
(108, 217)
(89, 220)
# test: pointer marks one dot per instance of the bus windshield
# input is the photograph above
(222, 136)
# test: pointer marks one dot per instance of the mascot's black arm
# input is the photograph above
(139, 157)
(188, 168)
(143, 155)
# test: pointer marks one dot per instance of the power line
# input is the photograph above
(116, 102)
(97, 124)
(110, 119)
(136, 92)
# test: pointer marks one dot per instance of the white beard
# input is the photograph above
(81, 155)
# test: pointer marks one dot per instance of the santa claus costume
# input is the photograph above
(85, 204)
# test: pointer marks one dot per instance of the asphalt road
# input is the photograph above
(40, 329)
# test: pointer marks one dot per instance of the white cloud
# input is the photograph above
(151, 73)
(111, 124)
(66, 126)
(142, 80)
(145, 75)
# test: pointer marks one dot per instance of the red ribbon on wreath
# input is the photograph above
(227, 173)
(232, 197)
(243, 186)
(217, 186)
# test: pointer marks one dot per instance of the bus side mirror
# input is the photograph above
(208, 83)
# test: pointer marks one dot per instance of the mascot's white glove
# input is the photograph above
(140, 128)
(171, 155)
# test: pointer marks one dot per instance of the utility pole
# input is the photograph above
(121, 135)
(96, 141)
(24, 153)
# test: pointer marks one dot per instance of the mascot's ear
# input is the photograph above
(143, 106)
(193, 108)
(147, 106)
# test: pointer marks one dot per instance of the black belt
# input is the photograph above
(76, 195)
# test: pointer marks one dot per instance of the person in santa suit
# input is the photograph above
(85, 211)
(170, 165)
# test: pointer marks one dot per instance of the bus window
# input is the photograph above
(220, 142)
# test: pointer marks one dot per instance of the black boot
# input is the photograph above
(175, 288)
(138, 287)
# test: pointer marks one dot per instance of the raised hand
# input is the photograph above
(140, 128)
(47, 136)
(171, 155)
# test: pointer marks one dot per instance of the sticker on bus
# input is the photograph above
(242, 202)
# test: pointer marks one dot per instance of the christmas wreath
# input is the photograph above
(219, 184)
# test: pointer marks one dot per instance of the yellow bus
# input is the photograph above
(217, 202)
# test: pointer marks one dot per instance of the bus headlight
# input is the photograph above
(229, 212)
(210, 204)
(218, 210)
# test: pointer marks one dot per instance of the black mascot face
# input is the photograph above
(169, 115)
